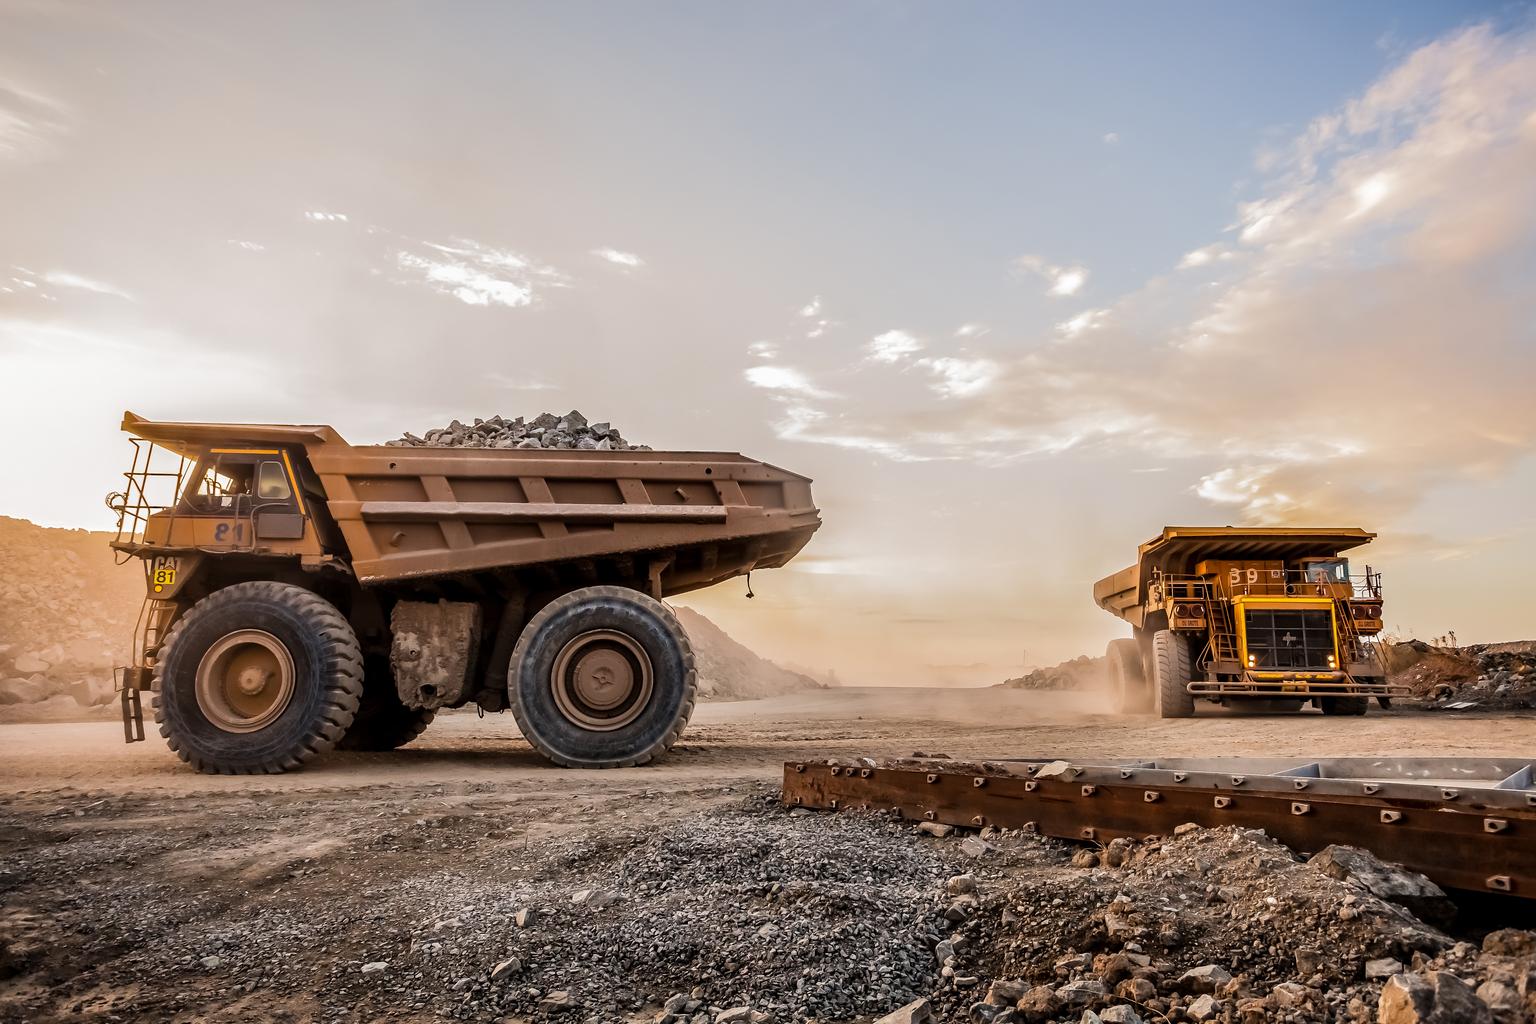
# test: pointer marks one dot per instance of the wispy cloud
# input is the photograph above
(31, 124)
(1061, 280)
(480, 275)
(893, 346)
(619, 257)
(784, 379)
(64, 279)
(321, 217)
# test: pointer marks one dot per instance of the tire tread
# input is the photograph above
(343, 674)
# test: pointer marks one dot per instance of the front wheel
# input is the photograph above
(1344, 705)
(257, 677)
(602, 678)
(1172, 671)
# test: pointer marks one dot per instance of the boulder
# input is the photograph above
(1436, 997)
(22, 691)
(1408, 889)
(916, 1012)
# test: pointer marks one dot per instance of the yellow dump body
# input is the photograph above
(1179, 549)
(400, 514)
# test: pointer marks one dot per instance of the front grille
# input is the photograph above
(1290, 640)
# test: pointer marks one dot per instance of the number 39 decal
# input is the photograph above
(1235, 576)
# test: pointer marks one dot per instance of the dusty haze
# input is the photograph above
(1016, 285)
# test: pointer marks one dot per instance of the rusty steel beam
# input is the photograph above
(1467, 823)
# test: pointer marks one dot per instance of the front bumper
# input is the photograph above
(1297, 684)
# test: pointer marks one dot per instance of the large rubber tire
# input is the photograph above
(383, 722)
(628, 617)
(1127, 682)
(327, 679)
(1344, 705)
(1171, 673)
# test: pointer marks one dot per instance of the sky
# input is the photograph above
(1016, 284)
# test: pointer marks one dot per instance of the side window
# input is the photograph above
(272, 482)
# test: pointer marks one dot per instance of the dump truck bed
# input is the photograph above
(415, 512)
(1177, 549)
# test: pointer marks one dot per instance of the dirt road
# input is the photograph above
(750, 740)
(387, 886)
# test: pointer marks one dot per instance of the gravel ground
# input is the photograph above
(462, 879)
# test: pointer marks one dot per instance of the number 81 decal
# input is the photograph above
(162, 572)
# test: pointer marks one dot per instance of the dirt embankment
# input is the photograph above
(67, 611)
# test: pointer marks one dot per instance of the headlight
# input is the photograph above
(1332, 662)
(1252, 660)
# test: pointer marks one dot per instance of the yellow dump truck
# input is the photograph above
(305, 593)
(1246, 614)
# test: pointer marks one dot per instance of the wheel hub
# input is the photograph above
(245, 681)
(602, 680)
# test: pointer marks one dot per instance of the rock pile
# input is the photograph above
(546, 430)
(1219, 925)
(1082, 673)
(1498, 677)
(67, 611)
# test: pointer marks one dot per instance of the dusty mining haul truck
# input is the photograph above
(1266, 616)
(305, 594)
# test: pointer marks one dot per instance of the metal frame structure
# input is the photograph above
(1466, 823)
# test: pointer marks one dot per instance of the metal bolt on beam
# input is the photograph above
(1301, 808)
(1391, 817)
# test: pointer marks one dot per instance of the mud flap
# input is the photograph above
(134, 680)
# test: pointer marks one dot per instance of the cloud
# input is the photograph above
(960, 378)
(321, 216)
(783, 379)
(972, 330)
(31, 124)
(892, 346)
(1371, 336)
(619, 257)
(479, 275)
(812, 308)
(1087, 320)
(247, 246)
(519, 383)
(1204, 255)
(1111, 138)
(1060, 280)
(63, 279)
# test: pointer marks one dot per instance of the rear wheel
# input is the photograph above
(383, 722)
(1344, 705)
(1127, 682)
(257, 677)
(602, 678)
(1172, 672)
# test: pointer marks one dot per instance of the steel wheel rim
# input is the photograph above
(245, 681)
(602, 680)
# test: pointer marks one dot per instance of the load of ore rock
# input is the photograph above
(546, 430)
